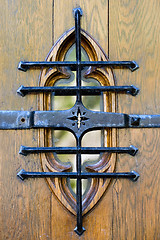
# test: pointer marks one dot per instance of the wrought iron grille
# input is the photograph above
(79, 120)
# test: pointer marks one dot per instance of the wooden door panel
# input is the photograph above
(94, 20)
(126, 30)
(134, 34)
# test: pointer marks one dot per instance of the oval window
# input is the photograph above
(65, 189)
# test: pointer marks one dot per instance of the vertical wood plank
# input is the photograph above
(94, 19)
(134, 35)
(26, 34)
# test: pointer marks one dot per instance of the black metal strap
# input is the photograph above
(68, 119)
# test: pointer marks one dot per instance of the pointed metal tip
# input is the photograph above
(134, 66)
(20, 91)
(77, 9)
(136, 176)
(133, 151)
(134, 91)
(80, 232)
(21, 150)
(21, 174)
(22, 67)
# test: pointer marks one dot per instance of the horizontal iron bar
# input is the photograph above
(131, 175)
(132, 65)
(73, 150)
(24, 66)
(70, 91)
(60, 120)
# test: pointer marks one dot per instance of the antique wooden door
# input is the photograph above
(126, 30)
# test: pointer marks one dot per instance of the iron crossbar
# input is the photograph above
(71, 91)
(74, 175)
(74, 150)
(24, 66)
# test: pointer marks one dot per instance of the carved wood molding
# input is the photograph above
(107, 161)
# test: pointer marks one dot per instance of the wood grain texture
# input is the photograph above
(134, 35)
(94, 20)
(128, 210)
(26, 34)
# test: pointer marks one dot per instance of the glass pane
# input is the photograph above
(63, 138)
(63, 102)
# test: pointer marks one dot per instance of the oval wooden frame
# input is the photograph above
(107, 163)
